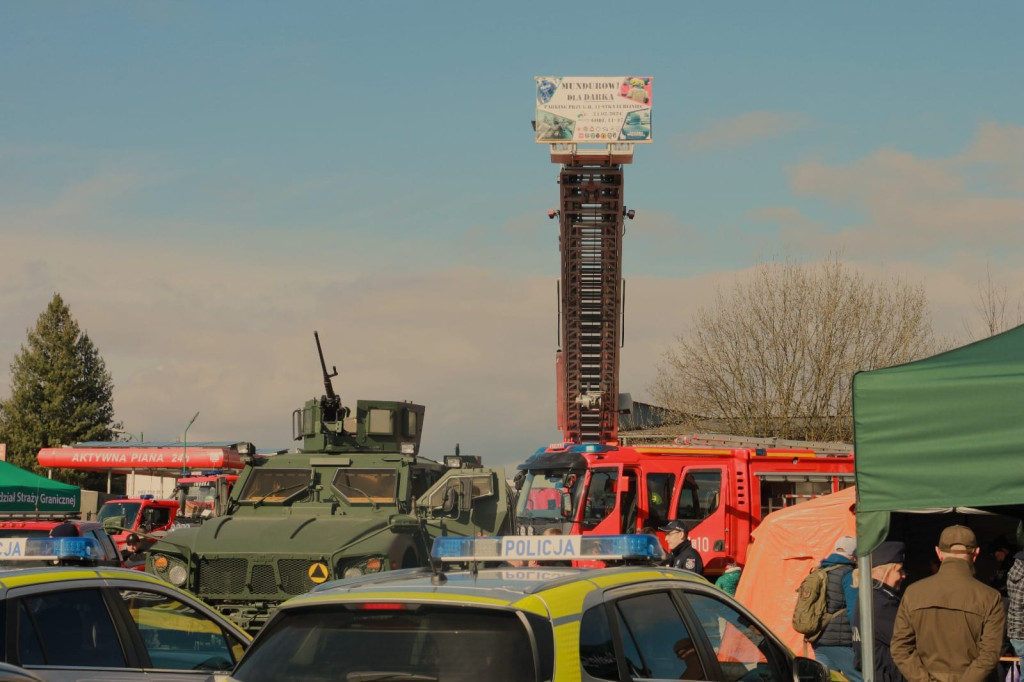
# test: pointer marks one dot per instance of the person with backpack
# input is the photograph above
(824, 605)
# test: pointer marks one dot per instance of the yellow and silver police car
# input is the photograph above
(483, 613)
(63, 617)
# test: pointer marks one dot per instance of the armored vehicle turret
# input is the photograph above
(356, 498)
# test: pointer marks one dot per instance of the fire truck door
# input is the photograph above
(699, 501)
(601, 511)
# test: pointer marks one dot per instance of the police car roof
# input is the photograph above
(11, 577)
(497, 586)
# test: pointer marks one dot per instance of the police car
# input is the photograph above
(72, 619)
(482, 613)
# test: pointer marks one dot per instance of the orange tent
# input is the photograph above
(785, 547)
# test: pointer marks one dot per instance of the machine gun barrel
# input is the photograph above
(328, 386)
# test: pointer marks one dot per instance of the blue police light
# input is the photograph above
(146, 497)
(50, 549)
(548, 548)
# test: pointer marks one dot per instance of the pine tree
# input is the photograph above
(61, 393)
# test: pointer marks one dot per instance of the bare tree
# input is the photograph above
(775, 356)
(992, 303)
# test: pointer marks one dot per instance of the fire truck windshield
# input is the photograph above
(112, 510)
(547, 498)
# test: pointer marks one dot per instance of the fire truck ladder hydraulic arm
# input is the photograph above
(590, 296)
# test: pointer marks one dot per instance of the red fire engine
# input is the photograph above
(720, 486)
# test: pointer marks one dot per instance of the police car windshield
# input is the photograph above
(373, 642)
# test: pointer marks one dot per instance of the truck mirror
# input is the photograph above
(518, 479)
(566, 509)
(451, 501)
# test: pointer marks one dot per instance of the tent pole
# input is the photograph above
(866, 627)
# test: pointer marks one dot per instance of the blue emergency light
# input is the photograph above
(548, 548)
(50, 549)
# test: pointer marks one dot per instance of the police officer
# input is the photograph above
(682, 554)
(133, 551)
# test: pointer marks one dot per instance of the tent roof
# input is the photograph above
(23, 491)
(945, 431)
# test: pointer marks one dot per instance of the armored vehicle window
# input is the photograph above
(483, 486)
(411, 424)
(366, 485)
(380, 423)
(276, 485)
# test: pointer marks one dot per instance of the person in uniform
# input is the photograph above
(133, 551)
(681, 551)
(950, 626)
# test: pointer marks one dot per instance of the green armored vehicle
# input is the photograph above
(355, 499)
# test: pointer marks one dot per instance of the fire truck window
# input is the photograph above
(159, 516)
(659, 496)
(600, 497)
(785, 490)
(700, 495)
(629, 506)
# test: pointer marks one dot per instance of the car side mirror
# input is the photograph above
(809, 670)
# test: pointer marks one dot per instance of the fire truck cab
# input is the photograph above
(720, 487)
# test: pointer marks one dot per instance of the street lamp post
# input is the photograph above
(184, 449)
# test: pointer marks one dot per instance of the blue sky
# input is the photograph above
(207, 183)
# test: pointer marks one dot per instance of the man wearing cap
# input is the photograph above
(133, 551)
(886, 577)
(950, 626)
(834, 647)
(681, 551)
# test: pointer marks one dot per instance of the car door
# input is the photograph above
(64, 632)
(177, 638)
(663, 631)
(117, 630)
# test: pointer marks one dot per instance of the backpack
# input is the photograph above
(810, 615)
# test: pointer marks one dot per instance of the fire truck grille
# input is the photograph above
(222, 576)
(295, 575)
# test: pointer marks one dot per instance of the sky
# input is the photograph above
(206, 184)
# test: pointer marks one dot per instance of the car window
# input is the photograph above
(655, 641)
(177, 636)
(451, 644)
(69, 628)
(743, 650)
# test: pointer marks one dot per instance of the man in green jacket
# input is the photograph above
(950, 626)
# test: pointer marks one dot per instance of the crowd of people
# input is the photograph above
(947, 626)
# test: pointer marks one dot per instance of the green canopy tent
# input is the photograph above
(23, 492)
(946, 431)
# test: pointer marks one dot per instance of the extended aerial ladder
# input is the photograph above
(592, 291)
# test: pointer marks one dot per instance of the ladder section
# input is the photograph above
(590, 241)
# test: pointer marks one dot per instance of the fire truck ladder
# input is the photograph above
(729, 441)
(590, 296)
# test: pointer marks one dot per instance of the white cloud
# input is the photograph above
(741, 131)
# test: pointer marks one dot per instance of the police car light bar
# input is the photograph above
(50, 549)
(548, 548)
